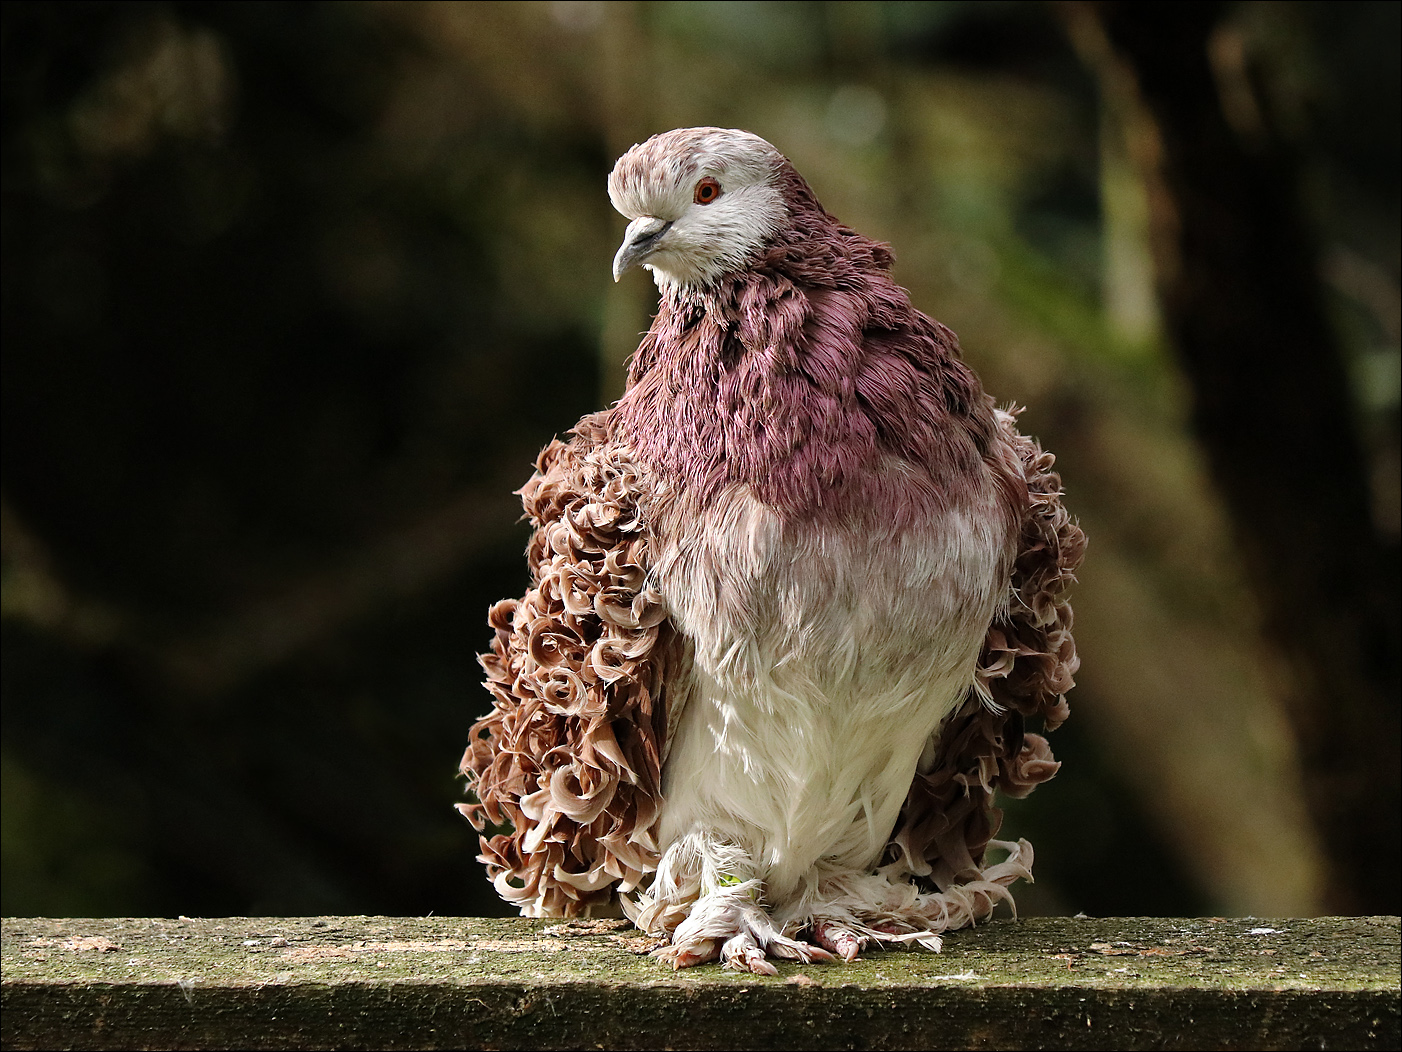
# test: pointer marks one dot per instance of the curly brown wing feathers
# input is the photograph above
(1024, 670)
(569, 759)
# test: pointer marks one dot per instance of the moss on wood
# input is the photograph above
(380, 982)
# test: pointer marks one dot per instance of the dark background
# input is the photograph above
(293, 292)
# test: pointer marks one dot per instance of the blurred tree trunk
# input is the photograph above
(625, 57)
(1242, 304)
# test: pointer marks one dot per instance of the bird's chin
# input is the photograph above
(674, 274)
(665, 280)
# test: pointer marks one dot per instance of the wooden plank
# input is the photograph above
(418, 983)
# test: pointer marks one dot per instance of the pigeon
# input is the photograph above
(794, 597)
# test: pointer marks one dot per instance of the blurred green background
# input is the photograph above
(294, 292)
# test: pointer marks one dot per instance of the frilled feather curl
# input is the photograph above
(1024, 670)
(568, 761)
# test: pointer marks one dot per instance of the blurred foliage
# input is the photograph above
(293, 293)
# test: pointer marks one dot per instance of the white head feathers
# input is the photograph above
(699, 201)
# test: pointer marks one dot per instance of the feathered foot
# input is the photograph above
(850, 910)
(704, 897)
(843, 914)
(729, 924)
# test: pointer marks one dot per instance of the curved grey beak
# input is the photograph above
(639, 240)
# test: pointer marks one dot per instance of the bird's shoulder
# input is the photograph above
(590, 480)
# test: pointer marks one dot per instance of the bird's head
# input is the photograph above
(699, 202)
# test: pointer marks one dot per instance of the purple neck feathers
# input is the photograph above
(802, 377)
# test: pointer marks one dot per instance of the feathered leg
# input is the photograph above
(707, 899)
(705, 895)
(849, 910)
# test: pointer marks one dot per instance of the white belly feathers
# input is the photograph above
(824, 657)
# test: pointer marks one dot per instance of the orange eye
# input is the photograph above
(707, 190)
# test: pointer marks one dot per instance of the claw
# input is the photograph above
(842, 941)
(743, 953)
(688, 954)
(794, 950)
